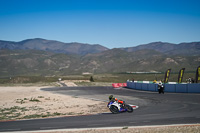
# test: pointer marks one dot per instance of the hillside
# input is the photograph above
(53, 46)
(142, 60)
(47, 58)
(185, 49)
(34, 62)
(189, 49)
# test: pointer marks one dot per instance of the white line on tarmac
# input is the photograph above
(133, 122)
(95, 125)
(50, 128)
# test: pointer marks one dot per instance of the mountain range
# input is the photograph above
(53, 46)
(83, 49)
(48, 57)
(192, 48)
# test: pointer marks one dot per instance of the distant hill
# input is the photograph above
(192, 48)
(189, 49)
(53, 46)
(44, 57)
(117, 60)
(35, 62)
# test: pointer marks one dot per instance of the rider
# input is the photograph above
(160, 87)
(113, 99)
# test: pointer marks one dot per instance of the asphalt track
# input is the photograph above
(154, 109)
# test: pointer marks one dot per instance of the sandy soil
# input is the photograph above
(72, 82)
(31, 102)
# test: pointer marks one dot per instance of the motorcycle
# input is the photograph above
(116, 108)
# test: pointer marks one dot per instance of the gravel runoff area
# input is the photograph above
(30, 102)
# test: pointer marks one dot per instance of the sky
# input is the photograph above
(111, 23)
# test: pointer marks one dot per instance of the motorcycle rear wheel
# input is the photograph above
(114, 109)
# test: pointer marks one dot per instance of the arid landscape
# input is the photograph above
(61, 60)
(31, 102)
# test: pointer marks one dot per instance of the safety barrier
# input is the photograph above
(171, 87)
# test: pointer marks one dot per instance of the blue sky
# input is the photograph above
(111, 23)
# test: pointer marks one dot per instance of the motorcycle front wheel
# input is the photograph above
(129, 108)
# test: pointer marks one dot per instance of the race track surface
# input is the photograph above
(154, 109)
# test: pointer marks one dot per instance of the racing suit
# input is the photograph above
(122, 103)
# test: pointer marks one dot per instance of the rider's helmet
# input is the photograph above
(160, 83)
(110, 97)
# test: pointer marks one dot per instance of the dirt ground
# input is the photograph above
(31, 102)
